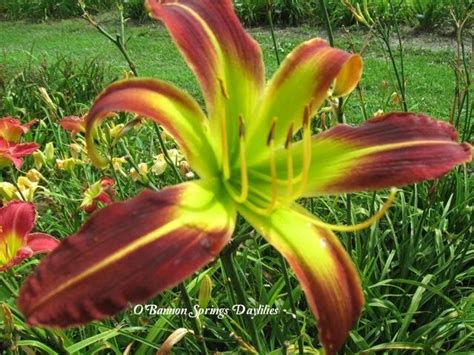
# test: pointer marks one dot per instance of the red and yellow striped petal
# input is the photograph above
(11, 129)
(128, 252)
(166, 105)
(323, 268)
(12, 153)
(73, 124)
(302, 83)
(225, 59)
(391, 150)
(395, 149)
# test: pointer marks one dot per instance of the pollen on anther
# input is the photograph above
(271, 134)
(289, 136)
(241, 127)
(224, 91)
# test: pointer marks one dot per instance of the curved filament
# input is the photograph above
(359, 226)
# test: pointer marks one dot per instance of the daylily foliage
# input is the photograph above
(245, 154)
(16, 242)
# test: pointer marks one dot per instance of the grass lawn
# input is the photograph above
(415, 263)
(430, 83)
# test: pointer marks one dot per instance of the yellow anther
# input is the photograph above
(357, 227)
(244, 179)
(271, 134)
(289, 161)
(224, 91)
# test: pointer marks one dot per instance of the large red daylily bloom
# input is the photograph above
(11, 129)
(248, 163)
(11, 153)
(17, 219)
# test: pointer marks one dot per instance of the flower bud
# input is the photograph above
(143, 168)
(34, 175)
(49, 152)
(75, 150)
(159, 167)
(172, 340)
(38, 159)
(205, 290)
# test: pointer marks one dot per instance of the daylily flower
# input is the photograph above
(11, 153)
(17, 219)
(160, 165)
(248, 163)
(68, 164)
(117, 164)
(11, 129)
(25, 188)
(44, 157)
(100, 192)
(73, 124)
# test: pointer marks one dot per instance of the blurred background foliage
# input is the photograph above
(421, 14)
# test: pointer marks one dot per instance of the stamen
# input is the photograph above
(273, 170)
(289, 166)
(243, 164)
(274, 181)
(357, 227)
(225, 145)
(306, 151)
(224, 91)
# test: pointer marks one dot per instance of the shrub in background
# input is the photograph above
(46, 9)
(70, 85)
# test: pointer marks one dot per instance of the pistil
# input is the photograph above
(356, 227)
(306, 151)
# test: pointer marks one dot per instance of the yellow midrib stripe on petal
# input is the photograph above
(218, 111)
(120, 254)
(357, 153)
(387, 147)
(206, 28)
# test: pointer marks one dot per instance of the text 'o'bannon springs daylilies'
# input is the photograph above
(253, 154)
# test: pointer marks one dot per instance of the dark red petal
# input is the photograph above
(17, 218)
(128, 252)
(41, 242)
(400, 149)
(74, 124)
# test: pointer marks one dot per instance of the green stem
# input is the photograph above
(13, 181)
(272, 30)
(168, 160)
(385, 36)
(195, 324)
(291, 300)
(229, 268)
(327, 22)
